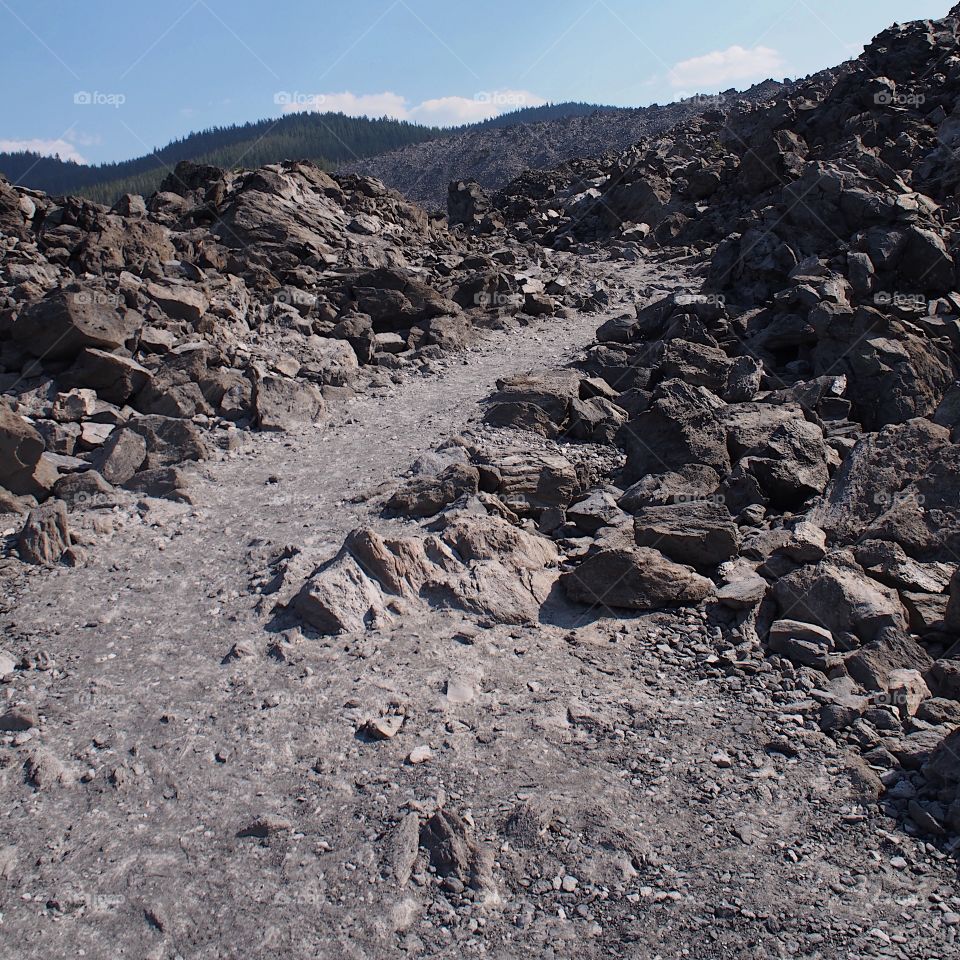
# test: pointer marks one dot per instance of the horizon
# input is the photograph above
(103, 98)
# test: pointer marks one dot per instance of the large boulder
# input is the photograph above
(114, 377)
(181, 301)
(537, 402)
(529, 481)
(680, 427)
(424, 497)
(45, 536)
(23, 471)
(877, 476)
(467, 202)
(837, 595)
(280, 403)
(791, 467)
(121, 456)
(700, 533)
(65, 322)
(169, 440)
(477, 564)
(637, 578)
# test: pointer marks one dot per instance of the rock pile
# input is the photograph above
(789, 432)
(133, 339)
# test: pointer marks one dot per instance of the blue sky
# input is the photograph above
(110, 79)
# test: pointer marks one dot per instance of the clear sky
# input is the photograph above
(111, 79)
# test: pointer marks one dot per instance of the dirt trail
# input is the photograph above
(624, 783)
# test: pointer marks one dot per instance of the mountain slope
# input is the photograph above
(493, 156)
(325, 138)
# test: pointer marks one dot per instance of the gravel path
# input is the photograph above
(637, 800)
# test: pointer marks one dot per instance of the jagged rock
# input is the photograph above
(634, 579)
(792, 466)
(743, 594)
(873, 664)
(802, 643)
(121, 456)
(467, 202)
(426, 496)
(691, 482)
(538, 402)
(700, 533)
(168, 483)
(178, 300)
(597, 511)
(944, 679)
(481, 565)
(681, 427)
(744, 379)
(877, 474)
(837, 595)
(886, 561)
(45, 536)
(531, 482)
(22, 471)
(447, 841)
(169, 440)
(65, 322)
(280, 403)
(74, 406)
(906, 691)
(115, 378)
(85, 491)
(596, 420)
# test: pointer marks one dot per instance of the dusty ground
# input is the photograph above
(635, 794)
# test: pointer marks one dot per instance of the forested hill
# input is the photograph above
(330, 139)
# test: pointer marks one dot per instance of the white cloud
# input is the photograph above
(46, 148)
(453, 111)
(721, 68)
(440, 111)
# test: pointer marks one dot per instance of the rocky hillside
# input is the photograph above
(577, 574)
(493, 157)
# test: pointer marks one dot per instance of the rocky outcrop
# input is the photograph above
(481, 565)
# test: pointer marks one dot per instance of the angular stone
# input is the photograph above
(634, 579)
(700, 533)
(121, 456)
(743, 594)
(20, 450)
(597, 511)
(426, 496)
(872, 665)
(169, 440)
(115, 378)
(67, 321)
(179, 301)
(85, 491)
(280, 403)
(837, 595)
(45, 536)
